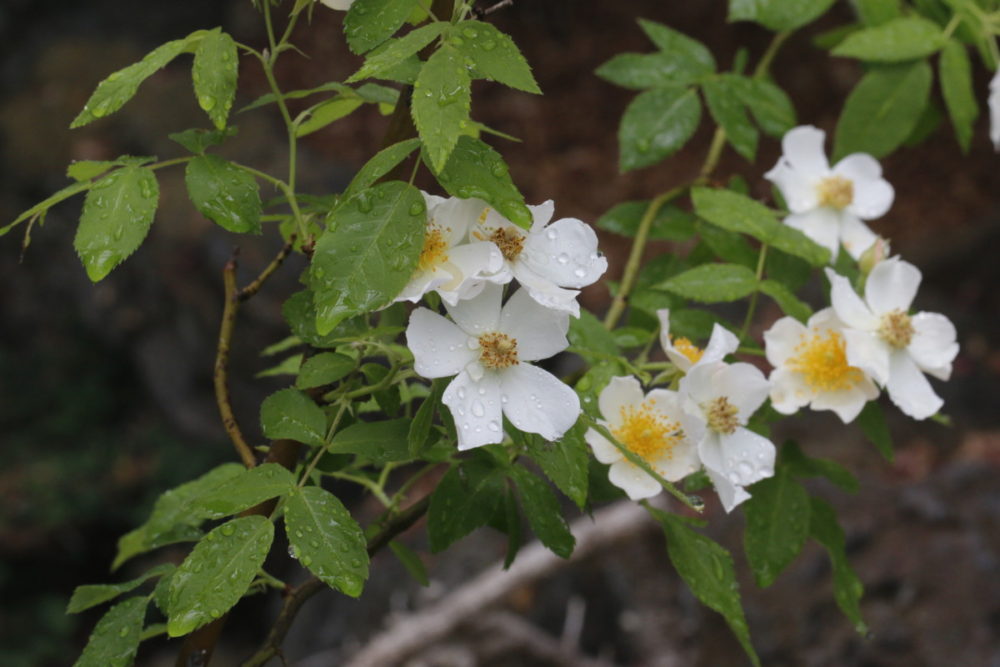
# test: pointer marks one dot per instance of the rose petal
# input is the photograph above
(892, 285)
(439, 347)
(475, 407)
(540, 332)
(933, 346)
(479, 315)
(619, 393)
(909, 389)
(535, 401)
(633, 480)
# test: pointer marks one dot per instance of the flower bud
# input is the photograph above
(877, 252)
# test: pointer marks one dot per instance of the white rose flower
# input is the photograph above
(651, 426)
(342, 5)
(685, 355)
(547, 259)
(487, 348)
(829, 205)
(810, 367)
(994, 104)
(448, 264)
(888, 343)
(721, 398)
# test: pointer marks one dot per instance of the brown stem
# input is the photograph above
(259, 281)
(297, 596)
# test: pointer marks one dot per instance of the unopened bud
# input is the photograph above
(878, 252)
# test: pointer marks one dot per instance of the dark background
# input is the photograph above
(105, 390)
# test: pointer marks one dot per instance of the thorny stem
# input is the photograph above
(393, 525)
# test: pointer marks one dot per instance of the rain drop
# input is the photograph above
(461, 393)
(563, 258)
(489, 45)
(493, 426)
(551, 234)
(477, 409)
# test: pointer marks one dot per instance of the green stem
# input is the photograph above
(635, 255)
(761, 260)
(329, 434)
(713, 155)
(772, 50)
(365, 482)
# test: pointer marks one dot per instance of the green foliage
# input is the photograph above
(245, 490)
(42, 207)
(197, 140)
(898, 40)
(707, 568)
(441, 97)
(564, 461)
(778, 14)
(542, 510)
(214, 75)
(368, 253)
(324, 368)
(847, 588)
(291, 414)
(493, 55)
(87, 170)
(370, 22)
(224, 193)
(319, 116)
(801, 465)
(116, 637)
(882, 110)
(768, 104)
(725, 104)
(657, 124)
(670, 224)
(872, 422)
(475, 170)
(465, 499)
(712, 283)
(395, 51)
(381, 164)
(786, 300)
(217, 573)
(955, 72)
(877, 12)
(117, 215)
(91, 595)
(326, 539)
(777, 525)
(380, 442)
(411, 561)
(419, 433)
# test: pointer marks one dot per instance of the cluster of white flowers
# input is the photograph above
(470, 251)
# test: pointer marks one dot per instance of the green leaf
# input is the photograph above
(640, 71)
(778, 15)
(420, 428)
(728, 246)
(368, 23)
(738, 213)
(671, 223)
(955, 72)
(656, 124)
(214, 74)
(707, 568)
(116, 637)
(564, 461)
(801, 465)
(252, 487)
(224, 193)
(44, 205)
(769, 105)
(91, 595)
(217, 573)
(324, 113)
(441, 98)
(324, 368)
(669, 40)
(300, 313)
(173, 518)
(379, 442)
(847, 588)
(872, 423)
(882, 110)
(712, 283)
(777, 526)
(289, 413)
(86, 170)
(725, 105)
(511, 526)
(396, 51)
(465, 499)
(542, 510)
(494, 55)
(587, 333)
(877, 12)
(327, 540)
(113, 92)
(197, 140)
(475, 170)
(117, 214)
(368, 254)
(411, 561)
(381, 164)
(786, 300)
(905, 38)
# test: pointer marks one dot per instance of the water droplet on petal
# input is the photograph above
(477, 409)
(551, 234)
(563, 258)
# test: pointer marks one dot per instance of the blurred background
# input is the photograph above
(105, 390)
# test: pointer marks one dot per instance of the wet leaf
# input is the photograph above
(116, 637)
(224, 193)
(289, 413)
(214, 74)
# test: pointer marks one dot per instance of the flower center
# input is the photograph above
(510, 242)
(497, 350)
(646, 433)
(896, 328)
(823, 363)
(688, 349)
(435, 250)
(721, 415)
(835, 191)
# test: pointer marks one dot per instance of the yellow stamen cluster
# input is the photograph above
(435, 250)
(648, 434)
(835, 191)
(510, 242)
(688, 349)
(822, 360)
(497, 350)
(721, 415)
(896, 329)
